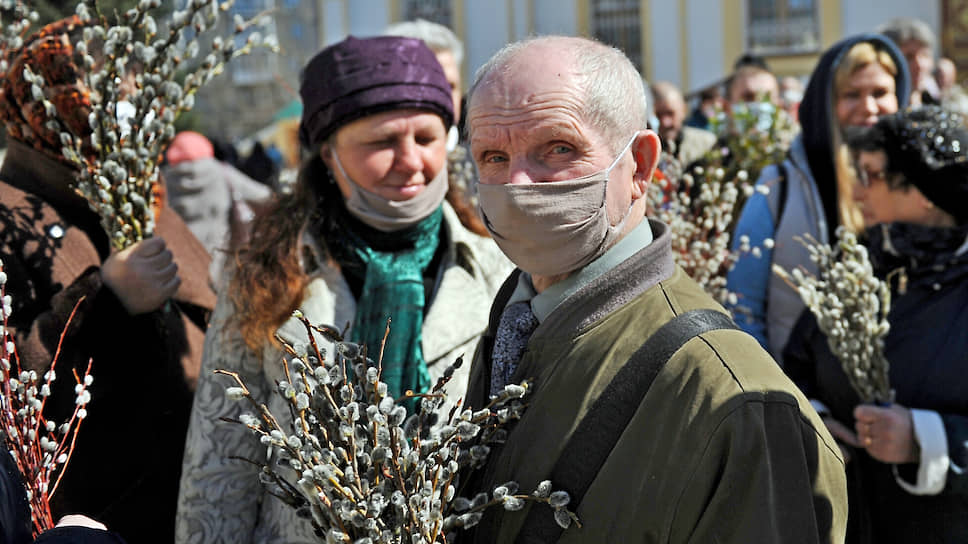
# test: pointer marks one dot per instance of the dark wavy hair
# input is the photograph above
(269, 281)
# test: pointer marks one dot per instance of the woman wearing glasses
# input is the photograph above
(906, 462)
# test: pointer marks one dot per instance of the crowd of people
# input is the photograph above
(522, 241)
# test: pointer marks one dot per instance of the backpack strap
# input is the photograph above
(777, 197)
(599, 431)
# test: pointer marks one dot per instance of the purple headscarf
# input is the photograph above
(359, 77)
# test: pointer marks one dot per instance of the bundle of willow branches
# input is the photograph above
(851, 306)
(352, 461)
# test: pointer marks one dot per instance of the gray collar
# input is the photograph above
(615, 288)
(543, 304)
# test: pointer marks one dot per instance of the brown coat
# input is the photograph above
(126, 465)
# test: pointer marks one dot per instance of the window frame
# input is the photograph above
(411, 9)
(629, 24)
(806, 47)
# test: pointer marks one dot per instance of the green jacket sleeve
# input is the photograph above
(766, 476)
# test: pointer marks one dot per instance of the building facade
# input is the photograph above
(692, 43)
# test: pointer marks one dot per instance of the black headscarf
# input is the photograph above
(818, 113)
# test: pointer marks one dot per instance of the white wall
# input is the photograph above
(486, 31)
(865, 16)
(704, 43)
(664, 37)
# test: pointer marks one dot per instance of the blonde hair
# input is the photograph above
(286, 139)
(857, 58)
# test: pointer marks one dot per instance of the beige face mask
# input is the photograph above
(552, 228)
(388, 215)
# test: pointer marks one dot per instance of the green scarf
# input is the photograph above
(392, 266)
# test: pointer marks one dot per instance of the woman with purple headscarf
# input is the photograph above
(366, 235)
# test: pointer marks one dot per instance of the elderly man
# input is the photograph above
(687, 144)
(661, 428)
(953, 95)
(916, 40)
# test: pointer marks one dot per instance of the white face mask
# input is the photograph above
(552, 228)
(760, 115)
(388, 215)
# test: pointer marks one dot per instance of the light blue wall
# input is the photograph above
(705, 42)
(333, 19)
(555, 17)
(862, 17)
(486, 31)
(666, 62)
(368, 17)
(520, 11)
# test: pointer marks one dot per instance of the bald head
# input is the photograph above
(945, 73)
(608, 85)
(670, 109)
(560, 109)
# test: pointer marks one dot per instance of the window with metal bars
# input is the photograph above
(617, 23)
(783, 26)
(435, 11)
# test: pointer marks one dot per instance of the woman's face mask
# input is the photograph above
(391, 215)
(391, 167)
(552, 228)
(758, 115)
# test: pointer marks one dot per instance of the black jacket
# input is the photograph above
(927, 348)
(15, 523)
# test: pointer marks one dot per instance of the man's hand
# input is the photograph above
(887, 433)
(843, 435)
(143, 276)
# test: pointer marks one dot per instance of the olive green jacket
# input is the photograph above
(722, 449)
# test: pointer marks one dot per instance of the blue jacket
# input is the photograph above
(766, 307)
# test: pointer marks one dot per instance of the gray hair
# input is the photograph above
(615, 97)
(902, 29)
(437, 37)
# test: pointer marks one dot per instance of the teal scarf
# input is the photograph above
(392, 267)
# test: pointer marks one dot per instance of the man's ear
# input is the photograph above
(645, 152)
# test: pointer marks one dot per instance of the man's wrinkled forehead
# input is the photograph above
(523, 85)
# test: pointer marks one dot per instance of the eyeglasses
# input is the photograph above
(865, 176)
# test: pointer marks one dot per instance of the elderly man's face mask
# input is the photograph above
(552, 228)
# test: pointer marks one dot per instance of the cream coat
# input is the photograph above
(221, 499)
